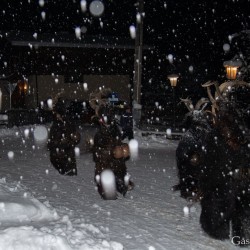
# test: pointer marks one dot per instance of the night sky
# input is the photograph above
(194, 32)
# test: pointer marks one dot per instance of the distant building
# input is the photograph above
(52, 63)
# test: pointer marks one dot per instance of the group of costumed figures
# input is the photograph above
(213, 162)
(110, 153)
(213, 157)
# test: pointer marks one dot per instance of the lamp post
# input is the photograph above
(138, 52)
(173, 81)
(138, 62)
(231, 68)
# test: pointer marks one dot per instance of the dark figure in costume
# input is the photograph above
(213, 160)
(62, 141)
(126, 123)
(225, 181)
(190, 156)
(110, 153)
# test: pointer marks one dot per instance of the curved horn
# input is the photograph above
(217, 90)
(225, 87)
(212, 99)
(208, 85)
(98, 98)
(200, 103)
(188, 104)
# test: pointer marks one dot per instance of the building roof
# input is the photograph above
(67, 40)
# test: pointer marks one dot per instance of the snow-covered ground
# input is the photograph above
(40, 209)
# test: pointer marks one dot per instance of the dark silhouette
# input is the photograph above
(213, 160)
(63, 139)
(126, 122)
(110, 153)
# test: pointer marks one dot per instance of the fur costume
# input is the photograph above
(110, 152)
(63, 139)
(213, 161)
(190, 157)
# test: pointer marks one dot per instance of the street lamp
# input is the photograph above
(173, 81)
(231, 68)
